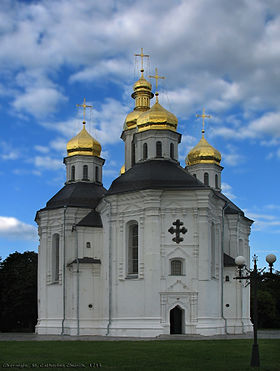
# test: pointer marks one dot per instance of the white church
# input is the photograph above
(153, 254)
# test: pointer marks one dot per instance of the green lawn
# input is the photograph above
(206, 355)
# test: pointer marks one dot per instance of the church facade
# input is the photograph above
(153, 254)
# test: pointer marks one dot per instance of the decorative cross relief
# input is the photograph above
(177, 230)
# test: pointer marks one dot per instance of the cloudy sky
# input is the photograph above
(218, 54)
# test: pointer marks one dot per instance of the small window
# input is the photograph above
(132, 253)
(227, 278)
(145, 151)
(176, 267)
(55, 257)
(73, 173)
(96, 174)
(172, 150)
(85, 172)
(158, 149)
(88, 245)
(132, 154)
(216, 181)
(194, 175)
(206, 179)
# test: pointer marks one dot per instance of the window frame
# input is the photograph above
(173, 268)
(132, 249)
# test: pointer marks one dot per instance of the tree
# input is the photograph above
(18, 292)
(269, 301)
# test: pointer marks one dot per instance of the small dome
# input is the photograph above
(142, 83)
(203, 153)
(157, 117)
(83, 144)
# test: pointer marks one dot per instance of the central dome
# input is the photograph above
(83, 144)
(157, 117)
(142, 95)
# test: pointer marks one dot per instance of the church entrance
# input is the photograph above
(176, 320)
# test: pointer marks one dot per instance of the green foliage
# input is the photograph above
(18, 292)
(218, 355)
(268, 301)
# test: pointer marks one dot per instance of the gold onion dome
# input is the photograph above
(157, 117)
(142, 95)
(203, 153)
(83, 144)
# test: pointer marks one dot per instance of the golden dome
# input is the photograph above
(83, 144)
(142, 95)
(157, 117)
(203, 153)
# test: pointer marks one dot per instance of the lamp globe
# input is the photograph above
(240, 261)
(270, 258)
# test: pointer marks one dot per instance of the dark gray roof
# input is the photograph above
(231, 208)
(78, 194)
(228, 261)
(92, 219)
(86, 260)
(155, 174)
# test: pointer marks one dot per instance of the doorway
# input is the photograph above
(176, 320)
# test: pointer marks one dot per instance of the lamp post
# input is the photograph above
(254, 276)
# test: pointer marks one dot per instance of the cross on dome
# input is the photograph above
(203, 117)
(85, 106)
(142, 55)
(157, 77)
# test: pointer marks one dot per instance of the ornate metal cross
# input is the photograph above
(203, 117)
(84, 107)
(177, 230)
(142, 55)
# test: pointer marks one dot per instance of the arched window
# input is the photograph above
(132, 154)
(73, 173)
(206, 179)
(216, 181)
(172, 150)
(158, 149)
(85, 172)
(145, 151)
(176, 267)
(55, 257)
(132, 251)
(96, 174)
(213, 253)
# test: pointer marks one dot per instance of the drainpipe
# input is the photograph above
(222, 268)
(63, 275)
(241, 289)
(110, 270)
(74, 228)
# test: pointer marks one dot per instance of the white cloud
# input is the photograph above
(38, 101)
(42, 149)
(13, 228)
(227, 191)
(47, 163)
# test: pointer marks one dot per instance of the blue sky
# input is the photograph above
(221, 55)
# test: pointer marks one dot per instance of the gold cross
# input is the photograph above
(142, 56)
(84, 107)
(203, 117)
(157, 77)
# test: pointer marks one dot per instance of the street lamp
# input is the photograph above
(254, 276)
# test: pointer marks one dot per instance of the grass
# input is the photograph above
(206, 355)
